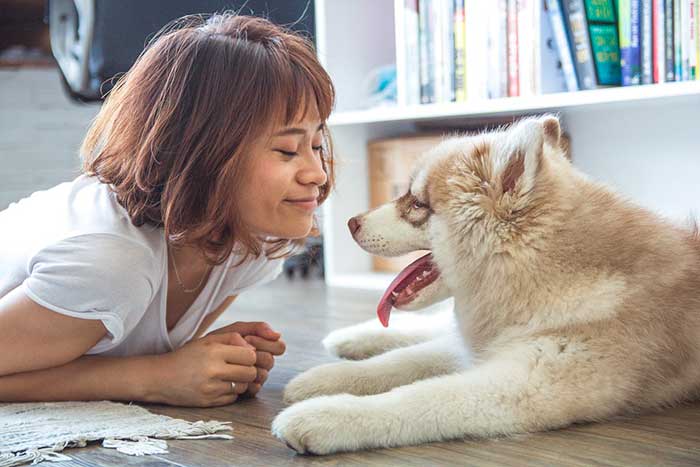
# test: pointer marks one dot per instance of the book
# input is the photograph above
(427, 59)
(512, 28)
(476, 20)
(497, 49)
(556, 21)
(528, 46)
(407, 56)
(669, 48)
(549, 72)
(460, 52)
(692, 46)
(629, 14)
(646, 42)
(677, 40)
(577, 32)
(602, 30)
(658, 37)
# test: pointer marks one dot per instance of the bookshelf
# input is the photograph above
(642, 140)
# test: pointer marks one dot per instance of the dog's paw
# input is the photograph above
(320, 426)
(367, 340)
(329, 379)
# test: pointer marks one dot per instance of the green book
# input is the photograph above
(602, 30)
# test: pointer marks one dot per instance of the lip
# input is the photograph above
(306, 204)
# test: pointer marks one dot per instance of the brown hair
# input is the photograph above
(171, 138)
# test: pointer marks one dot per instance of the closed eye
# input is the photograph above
(294, 153)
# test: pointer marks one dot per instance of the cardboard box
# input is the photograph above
(391, 162)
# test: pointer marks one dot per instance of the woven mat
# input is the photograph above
(34, 432)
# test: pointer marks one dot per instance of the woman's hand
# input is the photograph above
(267, 344)
(200, 373)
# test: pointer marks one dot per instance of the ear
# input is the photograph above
(524, 152)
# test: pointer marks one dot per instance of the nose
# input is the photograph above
(313, 172)
(353, 225)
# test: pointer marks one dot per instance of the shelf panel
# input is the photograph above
(517, 105)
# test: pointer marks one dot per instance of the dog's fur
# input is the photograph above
(572, 305)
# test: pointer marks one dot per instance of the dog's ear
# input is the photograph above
(524, 152)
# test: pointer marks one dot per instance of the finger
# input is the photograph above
(237, 355)
(238, 373)
(274, 347)
(256, 328)
(226, 399)
(264, 360)
(261, 378)
(228, 338)
(253, 389)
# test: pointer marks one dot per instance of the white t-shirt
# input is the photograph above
(74, 250)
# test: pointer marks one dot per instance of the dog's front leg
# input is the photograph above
(381, 373)
(531, 388)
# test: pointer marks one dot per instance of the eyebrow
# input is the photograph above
(296, 131)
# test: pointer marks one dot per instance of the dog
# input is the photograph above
(571, 305)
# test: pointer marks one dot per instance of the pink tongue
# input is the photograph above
(386, 303)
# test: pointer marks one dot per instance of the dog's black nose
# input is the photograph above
(353, 225)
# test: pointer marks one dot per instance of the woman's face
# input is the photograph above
(279, 194)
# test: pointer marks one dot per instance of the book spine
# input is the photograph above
(697, 40)
(635, 52)
(646, 45)
(692, 33)
(658, 37)
(669, 50)
(460, 52)
(448, 50)
(437, 45)
(427, 92)
(677, 40)
(685, 41)
(495, 61)
(513, 72)
(577, 31)
(602, 28)
(411, 52)
(503, 47)
(525, 36)
(565, 56)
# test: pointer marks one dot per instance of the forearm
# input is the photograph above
(87, 378)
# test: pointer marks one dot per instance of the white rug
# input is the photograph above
(35, 432)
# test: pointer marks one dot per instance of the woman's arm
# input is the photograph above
(87, 378)
(35, 338)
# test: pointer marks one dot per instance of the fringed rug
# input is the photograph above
(35, 432)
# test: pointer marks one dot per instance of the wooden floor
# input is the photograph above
(304, 311)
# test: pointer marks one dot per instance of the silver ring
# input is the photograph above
(233, 386)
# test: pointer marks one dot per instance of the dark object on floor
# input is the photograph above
(308, 262)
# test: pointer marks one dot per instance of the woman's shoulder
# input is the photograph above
(83, 211)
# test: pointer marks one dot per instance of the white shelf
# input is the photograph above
(517, 105)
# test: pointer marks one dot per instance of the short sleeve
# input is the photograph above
(95, 276)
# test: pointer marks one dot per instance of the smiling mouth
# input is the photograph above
(404, 289)
(307, 204)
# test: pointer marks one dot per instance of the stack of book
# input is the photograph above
(464, 50)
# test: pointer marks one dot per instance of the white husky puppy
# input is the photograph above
(572, 305)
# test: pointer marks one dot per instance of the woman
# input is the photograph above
(201, 172)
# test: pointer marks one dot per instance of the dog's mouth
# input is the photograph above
(405, 288)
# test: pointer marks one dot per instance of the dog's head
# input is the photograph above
(470, 199)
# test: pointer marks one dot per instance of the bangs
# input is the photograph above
(299, 86)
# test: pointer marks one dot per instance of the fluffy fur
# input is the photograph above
(571, 305)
